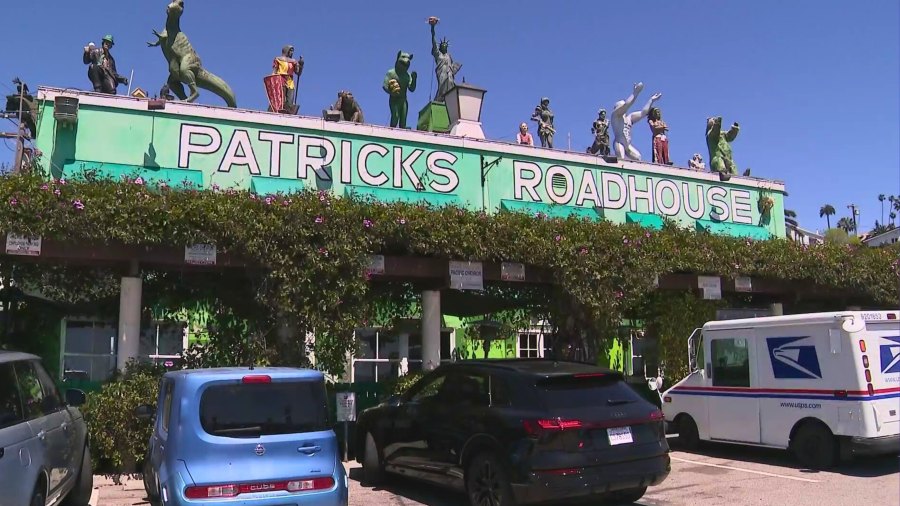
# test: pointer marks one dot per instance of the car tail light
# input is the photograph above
(226, 491)
(256, 379)
(307, 485)
(216, 491)
(538, 427)
(892, 316)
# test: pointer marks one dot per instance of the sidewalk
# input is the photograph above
(107, 493)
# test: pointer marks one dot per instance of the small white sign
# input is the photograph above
(511, 271)
(24, 246)
(466, 275)
(711, 286)
(743, 284)
(619, 435)
(200, 254)
(376, 264)
(346, 407)
(656, 281)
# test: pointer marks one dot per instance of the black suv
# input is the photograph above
(519, 432)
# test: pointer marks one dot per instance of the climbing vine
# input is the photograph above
(307, 250)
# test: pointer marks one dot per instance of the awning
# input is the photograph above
(557, 211)
(653, 221)
(408, 196)
(262, 185)
(734, 229)
(74, 169)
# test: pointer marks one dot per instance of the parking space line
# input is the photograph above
(807, 480)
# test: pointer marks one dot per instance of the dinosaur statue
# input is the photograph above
(396, 82)
(184, 63)
(719, 144)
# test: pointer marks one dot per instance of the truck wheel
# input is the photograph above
(80, 495)
(373, 469)
(688, 434)
(814, 446)
(487, 482)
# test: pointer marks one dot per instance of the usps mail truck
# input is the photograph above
(824, 385)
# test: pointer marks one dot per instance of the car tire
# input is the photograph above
(39, 497)
(150, 483)
(814, 446)
(487, 483)
(373, 469)
(628, 496)
(80, 495)
(688, 434)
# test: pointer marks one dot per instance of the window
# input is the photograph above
(730, 362)
(381, 353)
(52, 401)
(429, 390)
(263, 409)
(466, 389)
(162, 343)
(167, 405)
(501, 395)
(570, 392)
(529, 345)
(30, 390)
(89, 352)
(10, 400)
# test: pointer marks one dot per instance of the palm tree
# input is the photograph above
(827, 211)
(893, 216)
(881, 199)
(846, 224)
(790, 218)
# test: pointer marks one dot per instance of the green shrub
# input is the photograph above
(118, 439)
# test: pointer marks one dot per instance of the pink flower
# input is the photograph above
(624, 240)
(619, 295)
(583, 251)
(269, 200)
(13, 202)
(647, 235)
(460, 212)
(139, 180)
(56, 191)
(45, 187)
(37, 216)
(162, 184)
(559, 238)
(62, 181)
(323, 251)
(252, 196)
(287, 202)
(77, 205)
(401, 221)
(214, 186)
(367, 223)
(320, 219)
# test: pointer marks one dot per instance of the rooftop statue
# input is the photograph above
(660, 142)
(348, 107)
(719, 144)
(280, 86)
(102, 67)
(696, 162)
(184, 63)
(396, 83)
(523, 137)
(622, 122)
(444, 67)
(544, 117)
(600, 129)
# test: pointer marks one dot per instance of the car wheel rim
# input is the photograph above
(486, 491)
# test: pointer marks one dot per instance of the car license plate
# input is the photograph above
(619, 435)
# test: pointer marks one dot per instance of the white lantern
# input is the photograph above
(464, 103)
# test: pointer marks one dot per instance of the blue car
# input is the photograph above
(239, 436)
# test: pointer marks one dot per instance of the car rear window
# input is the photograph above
(10, 401)
(574, 392)
(253, 410)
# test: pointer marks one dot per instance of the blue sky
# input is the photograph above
(814, 85)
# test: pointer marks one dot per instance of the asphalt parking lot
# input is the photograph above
(715, 475)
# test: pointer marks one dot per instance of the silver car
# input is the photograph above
(44, 457)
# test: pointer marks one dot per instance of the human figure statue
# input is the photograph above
(600, 129)
(544, 117)
(185, 67)
(348, 107)
(622, 122)
(719, 144)
(397, 81)
(287, 67)
(444, 67)
(523, 137)
(660, 142)
(696, 162)
(102, 67)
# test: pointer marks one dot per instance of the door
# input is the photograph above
(413, 437)
(16, 442)
(458, 417)
(733, 405)
(42, 410)
(72, 451)
(161, 430)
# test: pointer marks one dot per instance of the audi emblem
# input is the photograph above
(260, 450)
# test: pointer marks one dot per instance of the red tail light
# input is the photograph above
(892, 316)
(256, 379)
(224, 491)
(538, 427)
(590, 375)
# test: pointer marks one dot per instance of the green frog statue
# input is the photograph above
(719, 144)
(397, 81)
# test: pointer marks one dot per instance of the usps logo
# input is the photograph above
(890, 355)
(794, 358)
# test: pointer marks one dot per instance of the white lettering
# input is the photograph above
(701, 203)
(346, 153)
(740, 204)
(529, 184)
(186, 145)
(588, 190)
(673, 209)
(362, 164)
(239, 152)
(611, 177)
(566, 196)
(634, 194)
(275, 141)
(452, 179)
(318, 162)
(719, 211)
(402, 165)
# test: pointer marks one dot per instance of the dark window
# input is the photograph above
(466, 389)
(730, 363)
(10, 400)
(262, 409)
(52, 401)
(428, 388)
(30, 390)
(572, 392)
(445, 346)
(167, 405)
(501, 395)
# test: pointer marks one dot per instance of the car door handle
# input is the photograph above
(309, 450)
(42, 435)
(65, 426)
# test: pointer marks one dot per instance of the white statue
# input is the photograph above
(696, 162)
(622, 122)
